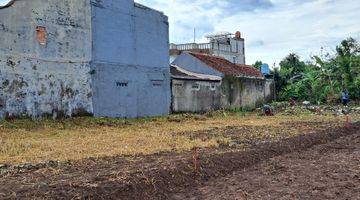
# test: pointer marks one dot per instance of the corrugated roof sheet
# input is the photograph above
(226, 67)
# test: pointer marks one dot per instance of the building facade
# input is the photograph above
(194, 92)
(226, 45)
(83, 56)
(195, 89)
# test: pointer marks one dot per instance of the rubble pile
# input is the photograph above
(307, 108)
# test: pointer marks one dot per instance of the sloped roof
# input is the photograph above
(226, 67)
(180, 73)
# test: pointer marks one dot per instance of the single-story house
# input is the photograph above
(202, 82)
(194, 92)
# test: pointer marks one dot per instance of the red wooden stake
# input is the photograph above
(347, 123)
(196, 161)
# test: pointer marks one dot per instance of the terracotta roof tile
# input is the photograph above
(226, 67)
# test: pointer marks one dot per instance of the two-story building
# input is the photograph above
(226, 45)
(109, 58)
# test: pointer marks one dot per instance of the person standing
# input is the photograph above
(345, 99)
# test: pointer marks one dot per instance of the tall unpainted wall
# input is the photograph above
(45, 51)
(131, 75)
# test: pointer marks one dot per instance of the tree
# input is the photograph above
(347, 60)
(323, 79)
(292, 66)
(258, 64)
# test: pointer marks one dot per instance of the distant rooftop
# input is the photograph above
(226, 67)
(219, 41)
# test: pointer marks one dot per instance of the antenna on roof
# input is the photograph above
(219, 35)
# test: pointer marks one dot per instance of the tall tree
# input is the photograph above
(348, 65)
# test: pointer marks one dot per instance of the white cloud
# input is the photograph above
(4, 2)
(271, 29)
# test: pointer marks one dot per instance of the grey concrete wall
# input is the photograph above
(244, 93)
(252, 95)
(131, 74)
(269, 90)
(45, 50)
(231, 93)
(186, 98)
(190, 63)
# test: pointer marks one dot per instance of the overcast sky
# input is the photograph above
(271, 28)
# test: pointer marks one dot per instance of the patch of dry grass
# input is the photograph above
(24, 140)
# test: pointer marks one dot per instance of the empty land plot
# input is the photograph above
(316, 165)
(27, 141)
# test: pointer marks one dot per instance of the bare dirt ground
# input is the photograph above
(319, 165)
(327, 171)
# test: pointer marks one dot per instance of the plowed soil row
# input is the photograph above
(172, 175)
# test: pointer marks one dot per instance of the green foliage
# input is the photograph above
(258, 64)
(322, 80)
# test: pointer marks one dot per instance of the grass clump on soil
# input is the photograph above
(25, 140)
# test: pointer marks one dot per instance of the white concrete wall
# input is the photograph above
(235, 50)
(36, 78)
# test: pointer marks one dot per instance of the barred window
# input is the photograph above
(195, 86)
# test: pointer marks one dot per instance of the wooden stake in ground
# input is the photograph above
(196, 160)
(347, 121)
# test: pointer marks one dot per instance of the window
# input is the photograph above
(195, 86)
(6, 3)
(157, 83)
(122, 84)
(213, 87)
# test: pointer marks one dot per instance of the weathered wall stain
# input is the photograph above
(230, 93)
(41, 34)
(236, 91)
(69, 56)
(45, 54)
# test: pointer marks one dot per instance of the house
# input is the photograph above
(83, 56)
(226, 45)
(194, 92)
(208, 82)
